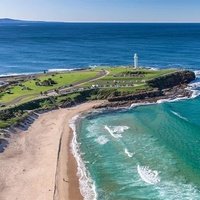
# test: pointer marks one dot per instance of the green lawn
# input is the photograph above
(124, 81)
(149, 74)
(62, 79)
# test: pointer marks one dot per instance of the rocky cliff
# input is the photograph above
(138, 96)
(173, 79)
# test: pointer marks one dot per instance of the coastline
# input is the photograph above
(44, 166)
(48, 71)
(38, 163)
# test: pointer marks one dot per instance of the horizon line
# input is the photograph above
(136, 22)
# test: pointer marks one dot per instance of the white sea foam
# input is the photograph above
(62, 69)
(17, 74)
(171, 100)
(197, 73)
(101, 140)
(93, 66)
(32, 73)
(148, 175)
(154, 68)
(48, 70)
(162, 101)
(130, 155)
(177, 190)
(178, 115)
(115, 131)
(195, 85)
(92, 130)
(87, 186)
(140, 104)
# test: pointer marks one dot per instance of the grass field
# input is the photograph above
(118, 79)
(17, 94)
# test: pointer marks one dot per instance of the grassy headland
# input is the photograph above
(63, 89)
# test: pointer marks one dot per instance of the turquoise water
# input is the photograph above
(116, 147)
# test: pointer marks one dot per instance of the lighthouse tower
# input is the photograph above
(135, 61)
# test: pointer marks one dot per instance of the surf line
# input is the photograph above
(147, 175)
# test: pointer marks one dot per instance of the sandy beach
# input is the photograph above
(38, 163)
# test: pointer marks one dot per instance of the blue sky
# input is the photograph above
(102, 10)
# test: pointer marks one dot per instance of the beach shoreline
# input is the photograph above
(38, 163)
(42, 156)
(44, 159)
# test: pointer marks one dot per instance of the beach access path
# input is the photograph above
(38, 163)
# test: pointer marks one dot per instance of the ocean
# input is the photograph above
(147, 152)
(34, 47)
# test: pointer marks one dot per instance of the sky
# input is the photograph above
(102, 10)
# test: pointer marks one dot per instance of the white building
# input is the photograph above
(135, 60)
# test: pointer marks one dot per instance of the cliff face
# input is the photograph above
(173, 79)
(138, 96)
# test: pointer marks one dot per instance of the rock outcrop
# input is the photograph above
(138, 96)
(173, 79)
(3, 145)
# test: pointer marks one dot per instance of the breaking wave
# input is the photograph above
(147, 175)
(87, 186)
(178, 115)
(129, 154)
(115, 131)
(17, 74)
(195, 85)
(63, 69)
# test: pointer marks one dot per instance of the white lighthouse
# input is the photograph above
(135, 61)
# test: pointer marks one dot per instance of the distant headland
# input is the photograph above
(17, 21)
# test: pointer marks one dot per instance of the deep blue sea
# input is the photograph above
(33, 47)
(149, 152)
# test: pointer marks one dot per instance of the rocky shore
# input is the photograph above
(170, 86)
(171, 94)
